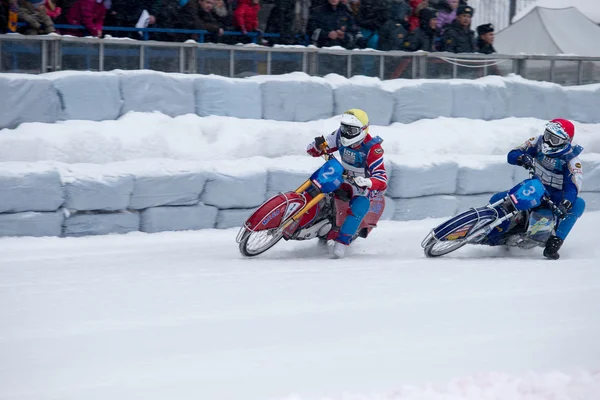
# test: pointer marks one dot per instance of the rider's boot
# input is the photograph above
(339, 250)
(552, 246)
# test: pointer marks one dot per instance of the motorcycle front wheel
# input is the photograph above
(435, 248)
(254, 243)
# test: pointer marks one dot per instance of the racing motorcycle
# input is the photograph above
(524, 218)
(316, 209)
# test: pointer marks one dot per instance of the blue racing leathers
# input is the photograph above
(561, 175)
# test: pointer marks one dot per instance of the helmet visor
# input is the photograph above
(349, 131)
(555, 138)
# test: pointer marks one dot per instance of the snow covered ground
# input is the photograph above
(184, 316)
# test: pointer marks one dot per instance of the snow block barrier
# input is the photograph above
(583, 103)
(542, 100)
(178, 218)
(148, 91)
(233, 218)
(415, 100)
(367, 92)
(27, 98)
(236, 187)
(295, 97)
(425, 207)
(240, 98)
(410, 178)
(29, 187)
(164, 182)
(32, 224)
(101, 99)
(84, 224)
(476, 175)
(91, 187)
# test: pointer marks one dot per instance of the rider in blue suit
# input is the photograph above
(556, 163)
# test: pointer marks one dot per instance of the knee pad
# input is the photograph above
(359, 206)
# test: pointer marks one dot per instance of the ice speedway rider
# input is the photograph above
(362, 157)
(555, 161)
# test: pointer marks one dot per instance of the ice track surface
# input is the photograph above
(184, 316)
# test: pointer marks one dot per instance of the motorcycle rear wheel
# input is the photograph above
(254, 243)
(437, 248)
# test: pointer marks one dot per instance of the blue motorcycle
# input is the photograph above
(524, 218)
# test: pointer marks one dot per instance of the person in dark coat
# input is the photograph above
(332, 25)
(485, 39)
(458, 37)
(426, 36)
(372, 15)
(393, 34)
(207, 21)
(279, 21)
(126, 13)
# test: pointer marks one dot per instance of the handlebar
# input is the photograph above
(328, 156)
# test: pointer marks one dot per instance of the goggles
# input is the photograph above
(555, 136)
(349, 131)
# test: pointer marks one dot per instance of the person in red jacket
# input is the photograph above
(89, 13)
(246, 15)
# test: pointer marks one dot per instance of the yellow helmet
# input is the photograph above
(354, 126)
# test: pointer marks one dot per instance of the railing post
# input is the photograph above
(231, 64)
(44, 57)
(101, 57)
(552, 66)
(182, 59)
(1, 42)
(349, 66)
(269, 58)
(454, 70)
(304, 62)
(423, 66)
(414, 66)
(193, 60)
(142, 56)
(382, 67)
(580, 72)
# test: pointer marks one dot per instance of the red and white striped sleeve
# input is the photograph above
(376, 168)
(331, 139)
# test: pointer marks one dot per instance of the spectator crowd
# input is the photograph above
(406, 25)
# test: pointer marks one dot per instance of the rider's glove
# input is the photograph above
(316, 150)
(363, 182)
(319, 142)
(565, 207)
(525, 161)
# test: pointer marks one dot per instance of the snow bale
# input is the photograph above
(592, 201)
(583, 103)
(230, 97)
(148, 91)
(411, 178)
(364, 93)
(91, 187)
(29, 187)
(295, 97)
(178, 218)
(541, 100)
(473, 201)
(93, 96)
(484, 175)
(519, 175)
(425, 207)
(591, 174)
(233, 218)
(84, 224)
(159, 182)
(290, 172)
(236, 185)
(390, 209)
(32, 224)
(468, 99)
(423, 99)
(27, 98)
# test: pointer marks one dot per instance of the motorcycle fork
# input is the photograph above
(304, 209)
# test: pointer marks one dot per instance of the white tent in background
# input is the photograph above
(589, 8)
(551, 31)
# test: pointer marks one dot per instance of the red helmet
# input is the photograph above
(557, 137)
(566, 125)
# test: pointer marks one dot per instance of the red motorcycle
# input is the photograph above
(317, 209)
